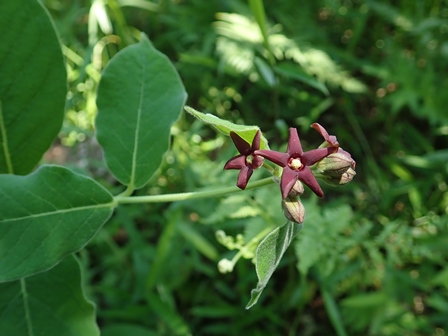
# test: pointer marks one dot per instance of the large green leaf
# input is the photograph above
(139, 97)
(49, 304)
(268, 255)
(45, 216)
(32, 85)
(225, 126)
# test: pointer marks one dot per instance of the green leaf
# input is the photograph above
(49, 303)
(294, 72)
(168, 314)
(268, 256)
(265, 71)
(126, 329)
(327, 228)
(194, 237)
(333, 312)
(225, 127)
(32, 85)
(45, 216)
(140, 96)
(259, 13)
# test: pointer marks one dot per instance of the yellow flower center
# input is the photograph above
(295, 164)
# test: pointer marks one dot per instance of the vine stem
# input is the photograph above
(4, 140)
(122, 199)
(26, 306)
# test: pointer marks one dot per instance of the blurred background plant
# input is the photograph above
(371, 258)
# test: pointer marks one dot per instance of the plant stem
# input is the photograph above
(4, 140)
(122, 199)
(26, 306)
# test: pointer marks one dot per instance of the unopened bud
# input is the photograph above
(297, 189)
(293, 209)
(347, 176)
(336, 164)
(344, 178)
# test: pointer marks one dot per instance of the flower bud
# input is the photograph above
(336, 164)
(344, 178)
(293, 209)
(297, 189)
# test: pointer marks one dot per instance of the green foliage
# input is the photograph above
(50, 223)
(30, 307)
(371, 257)
(224, 126)
(141, 84)
(32, 85)
(268, 255)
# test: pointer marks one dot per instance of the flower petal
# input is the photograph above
(240, 144)
(311, 157)
(256, 141)
(347, 154)
(289, 178)
(307, 177)
(294, 146)
(237, 162)
(331, 139)
(244, 176)
(257, 161)
(277, 157)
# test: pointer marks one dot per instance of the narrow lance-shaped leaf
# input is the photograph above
(49, 303)
(268, 255)
(294, 72)
(224, 126)
(32, 85)
(45, 216)
(140, 96)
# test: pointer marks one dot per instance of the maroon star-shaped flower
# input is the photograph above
(296, 164)
(247, 161)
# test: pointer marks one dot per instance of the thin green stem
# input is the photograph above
(259, 13)
(4, 139)
(269, 168)
(26, 306)
(122, 199)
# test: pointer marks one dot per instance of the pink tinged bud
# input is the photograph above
(335, 164)
(293, 209)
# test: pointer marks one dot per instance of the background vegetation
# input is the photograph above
(371, 258)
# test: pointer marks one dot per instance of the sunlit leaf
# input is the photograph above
(225, 126)
(45, 216)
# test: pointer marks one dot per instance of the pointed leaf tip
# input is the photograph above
(268, 255)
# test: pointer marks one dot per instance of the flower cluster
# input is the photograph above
(329, 162)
